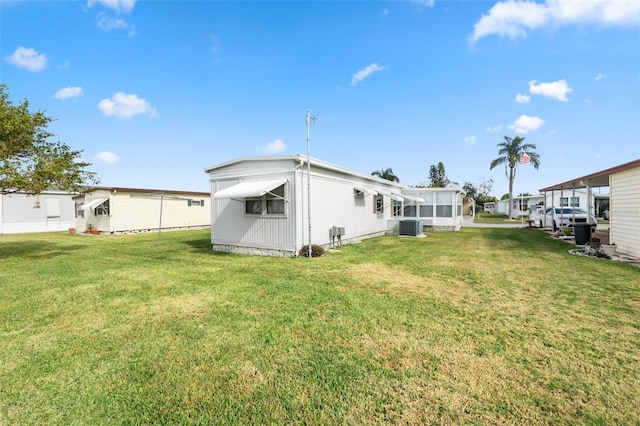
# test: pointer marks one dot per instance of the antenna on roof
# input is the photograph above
(310, 119)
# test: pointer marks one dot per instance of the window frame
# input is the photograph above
(267, 203)
(102, 209)
(396, 208)
(378, 204)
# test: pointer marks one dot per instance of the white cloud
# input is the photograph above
(494, 129)
(555, 90)
(470, 140)
(423, 3)
(119, 6)
(522, 99)
(28, 58)
(123, 105)
(106, 157)
(526, 124)
(365, 72)
(515, 19)
(68, 92)
(600, 76)
(107, 23)
(274, 147)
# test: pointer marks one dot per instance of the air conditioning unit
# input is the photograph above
(410, 227)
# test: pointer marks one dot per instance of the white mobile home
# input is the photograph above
(521, 205)
(275, 205)
(118, 210)
(48, 212)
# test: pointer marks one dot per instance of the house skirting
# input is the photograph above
(254, 251)
(261, 251)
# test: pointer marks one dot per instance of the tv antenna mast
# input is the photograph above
(310, 119)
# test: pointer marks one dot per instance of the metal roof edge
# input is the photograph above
(602, 173)
(142, 190)
(314, 163)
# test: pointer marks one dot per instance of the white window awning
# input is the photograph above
(390, 195)
(249, 189)
(416, 199)
(93, 203)
(365, 191)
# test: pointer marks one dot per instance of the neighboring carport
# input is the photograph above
(624, 203)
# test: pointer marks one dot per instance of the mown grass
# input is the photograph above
(482, 326)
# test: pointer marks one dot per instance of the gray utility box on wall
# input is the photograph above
(410, 227)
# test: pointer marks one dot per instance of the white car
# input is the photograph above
(563, 217)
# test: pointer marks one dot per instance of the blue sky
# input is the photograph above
(155, 91)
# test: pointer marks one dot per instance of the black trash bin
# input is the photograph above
(582, 232)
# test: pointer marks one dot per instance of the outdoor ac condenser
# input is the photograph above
(410, 227)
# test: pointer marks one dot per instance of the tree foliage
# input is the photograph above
(510, 152)
(29, 161)
(438, 177)
(386, 174)
(479, 192)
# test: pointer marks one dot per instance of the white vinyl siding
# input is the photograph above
(625, 211)
(49, 212)
(245, 223)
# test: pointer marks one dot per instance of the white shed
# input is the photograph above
(120, 210)
(48, 212)
(270, 205)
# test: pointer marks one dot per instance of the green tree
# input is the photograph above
(511, 152)
(386, 174)
(29, 161)
(438, 176)
(479, 192)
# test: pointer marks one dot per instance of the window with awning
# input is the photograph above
(245, 190)
(361, 191)
(391, 196)
(93, 203)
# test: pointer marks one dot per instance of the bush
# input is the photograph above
(316, 251)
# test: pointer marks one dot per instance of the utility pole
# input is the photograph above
(310, 119)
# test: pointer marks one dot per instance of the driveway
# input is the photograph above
(467, 221)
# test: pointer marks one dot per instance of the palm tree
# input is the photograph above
(511, 154)
(386, 174)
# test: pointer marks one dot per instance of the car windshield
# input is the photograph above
(570, 211)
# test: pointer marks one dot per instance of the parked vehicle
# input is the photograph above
(605, 214)
(564, 217)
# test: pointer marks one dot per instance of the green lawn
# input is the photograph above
(482, 326)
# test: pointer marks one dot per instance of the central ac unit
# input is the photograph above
(410, 227)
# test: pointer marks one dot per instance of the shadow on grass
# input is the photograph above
(203, 245)
(35, 249)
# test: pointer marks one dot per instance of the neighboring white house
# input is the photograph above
(490, 207)
(269, 206)
(624, 198)
(522, 205)
(116, 210)
(48, 212)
